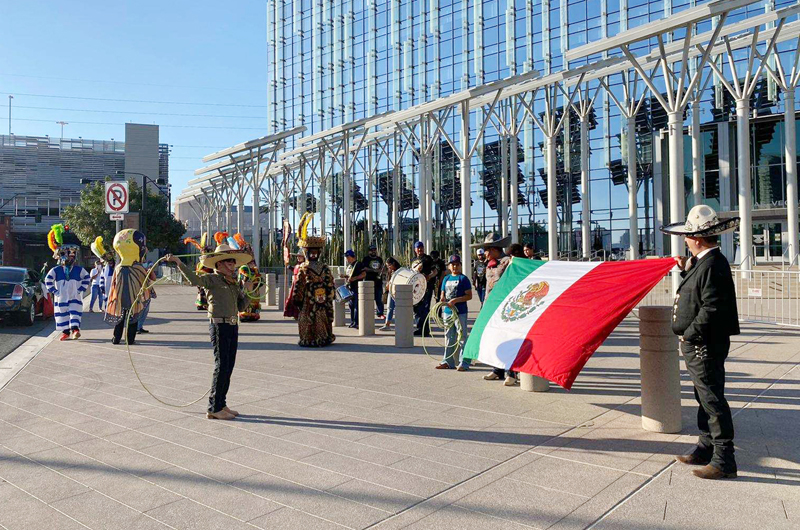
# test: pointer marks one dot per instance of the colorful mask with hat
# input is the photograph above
(65, 245)
(311, 245)
(130, 245)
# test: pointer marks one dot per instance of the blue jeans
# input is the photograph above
(452, 342)
(390, 314)
(96, 295)
(481, 293)
(143, 316)
(379, 298)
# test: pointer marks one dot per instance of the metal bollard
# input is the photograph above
(533, 383)
(659, 363)
(271, 289)
(338, 307)
(403, 316)
(366, 308)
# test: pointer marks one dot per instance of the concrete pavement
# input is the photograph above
(364, 435)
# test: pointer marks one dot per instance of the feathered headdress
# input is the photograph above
(220, 237)
(193, 241)
(204, 240)
(306, 241)
(97, 248)
(233, 243)
(240, 240)
(55, 238)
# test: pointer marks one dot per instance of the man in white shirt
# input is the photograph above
(97, 294)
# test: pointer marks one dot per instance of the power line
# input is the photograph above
(144, 113)
(137, 101)
(131, 83)
(159, 124)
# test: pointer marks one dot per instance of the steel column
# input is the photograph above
(632, 189)
(552, 200)
(791, 172)
(466, 192)
(744, 186)
(677, 203)
(697, 152)
(514, 182)
(586, 208)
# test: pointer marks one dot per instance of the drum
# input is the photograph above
(405, 276)
(343, 294)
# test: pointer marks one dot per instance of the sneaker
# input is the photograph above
(385, 327)
(76, 334)
(443, 366)
(221, 415)
(462, 368)
(381, 316)
(510, 381)
(491, 377)
(143, 331)
(65, 336)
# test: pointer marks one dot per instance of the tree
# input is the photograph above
(88, 219)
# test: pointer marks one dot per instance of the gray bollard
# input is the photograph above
(279, 293)
(338, 307)
(533, 383)
(661, 372)
(366, 308)
(271, 289)
(403, 316)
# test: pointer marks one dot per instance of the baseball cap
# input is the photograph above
(481, 251)
(455, 258)
(373, 246)
(349, 254)
(419, 244)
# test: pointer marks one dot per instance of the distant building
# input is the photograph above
(40, 176)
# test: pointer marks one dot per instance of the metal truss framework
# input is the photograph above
(673, 73)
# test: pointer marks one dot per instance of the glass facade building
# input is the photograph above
(335, 61)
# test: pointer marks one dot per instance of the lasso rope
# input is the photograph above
(437, 316)
(146, 287)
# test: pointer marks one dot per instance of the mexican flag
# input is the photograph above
(547, 318)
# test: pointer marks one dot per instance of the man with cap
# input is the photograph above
(704, 317)
(440, 266)
(423, 264)
(373, 266)
(225, 300)
(493, 244)
(354, 273)
(479, 274)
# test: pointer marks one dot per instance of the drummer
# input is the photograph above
(354, 273)
(423, 264)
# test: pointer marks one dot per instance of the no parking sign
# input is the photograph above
(117, 197)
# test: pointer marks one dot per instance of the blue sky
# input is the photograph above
(208, 54)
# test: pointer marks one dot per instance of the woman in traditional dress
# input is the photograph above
(313, 292)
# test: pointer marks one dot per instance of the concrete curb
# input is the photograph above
(17, 360)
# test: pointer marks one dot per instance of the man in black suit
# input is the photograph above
(705, 317)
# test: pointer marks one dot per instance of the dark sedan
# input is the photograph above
(20, 295)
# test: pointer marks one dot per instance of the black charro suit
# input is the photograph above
(705, 316)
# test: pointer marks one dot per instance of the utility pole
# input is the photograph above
(62, 123)
(10, 97)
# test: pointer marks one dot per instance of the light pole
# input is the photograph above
(158, 182)
(62, 123)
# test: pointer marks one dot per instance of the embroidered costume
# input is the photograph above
(129, 276)
(251, 281)
(66, 281)
(313, 292)
(201, 302)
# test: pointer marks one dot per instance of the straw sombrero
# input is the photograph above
(493, 239)
(702, 221)
(222, 252)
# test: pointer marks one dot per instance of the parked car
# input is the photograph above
(21, 295)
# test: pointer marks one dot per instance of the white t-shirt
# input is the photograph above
(95, 275)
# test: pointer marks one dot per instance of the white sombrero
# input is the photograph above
(223, 252)
(702, 221)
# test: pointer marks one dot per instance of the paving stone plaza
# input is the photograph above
(366, 435)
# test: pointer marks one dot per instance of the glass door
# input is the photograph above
(768, 241)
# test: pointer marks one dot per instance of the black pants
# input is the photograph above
(706, 366)
(225, 340)
(119, 329)
(353, 303)
(421, 311)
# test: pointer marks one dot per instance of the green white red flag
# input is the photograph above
(547, 318)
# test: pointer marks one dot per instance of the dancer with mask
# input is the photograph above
(129, 275)
(67, 282)
(313, 292)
